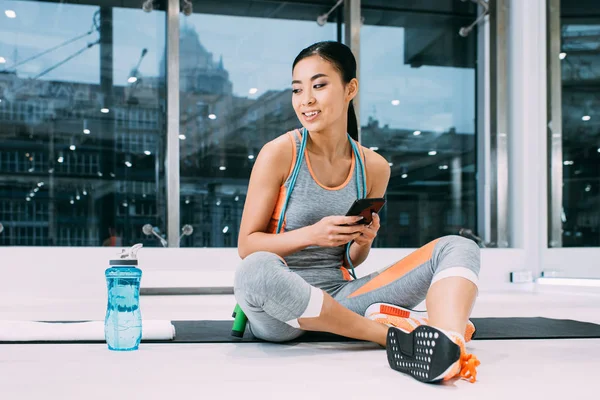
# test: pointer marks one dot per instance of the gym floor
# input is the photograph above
(548, 369)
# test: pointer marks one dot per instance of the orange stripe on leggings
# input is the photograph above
(398, 270)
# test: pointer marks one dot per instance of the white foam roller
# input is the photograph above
(30, 331)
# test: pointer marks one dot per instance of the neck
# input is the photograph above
(331, 143)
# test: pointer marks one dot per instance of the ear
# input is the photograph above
(351, 89)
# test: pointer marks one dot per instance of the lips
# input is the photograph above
(311, 115)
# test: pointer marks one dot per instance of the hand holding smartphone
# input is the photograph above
(365, 208)
(334, 231)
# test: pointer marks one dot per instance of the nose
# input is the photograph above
(307, 99)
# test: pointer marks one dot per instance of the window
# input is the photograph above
(83, 103)
(417, 109)
(235, 74)
(70, 75)
(580, 73)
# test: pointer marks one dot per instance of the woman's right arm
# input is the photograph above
(268, 174)
(270, 171)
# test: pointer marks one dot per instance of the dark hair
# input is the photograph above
(343, 60)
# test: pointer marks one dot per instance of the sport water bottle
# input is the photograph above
(123, 322)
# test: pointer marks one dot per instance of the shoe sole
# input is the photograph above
(427, 354)
(390, 309)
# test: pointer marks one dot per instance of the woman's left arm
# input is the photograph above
(378, 176)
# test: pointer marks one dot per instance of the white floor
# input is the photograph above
(544, 369)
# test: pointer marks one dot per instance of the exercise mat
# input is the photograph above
(487, 329)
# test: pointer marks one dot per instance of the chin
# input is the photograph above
(313, 126)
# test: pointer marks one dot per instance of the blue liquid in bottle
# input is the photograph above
(123, 323)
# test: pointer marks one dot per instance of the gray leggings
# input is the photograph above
(271, 294)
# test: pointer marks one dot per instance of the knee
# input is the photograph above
(459, 243)
(459, 251)
(255, 269)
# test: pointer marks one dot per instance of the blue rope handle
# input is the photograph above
(361, 185)
(295, 173)
(362, 193)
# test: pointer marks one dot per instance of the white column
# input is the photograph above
(527, 129)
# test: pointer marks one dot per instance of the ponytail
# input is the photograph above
(352, 122)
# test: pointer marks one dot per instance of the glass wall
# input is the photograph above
(82, 123)
(235, 71)
(580, 77)
(83, 114)
(417, 109)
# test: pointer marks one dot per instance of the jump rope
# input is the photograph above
(240, 319)
(361, 185)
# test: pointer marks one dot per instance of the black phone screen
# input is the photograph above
(365, 207)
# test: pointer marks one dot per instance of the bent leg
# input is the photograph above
(444, 271)
(273, 297)
(280, 305)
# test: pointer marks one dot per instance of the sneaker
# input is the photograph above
(430, 355)
(405, 318)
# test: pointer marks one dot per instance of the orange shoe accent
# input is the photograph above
(466, 367)
(469, 331)
(398, 270)
(406, 325)
(469, 365)
(395, 311)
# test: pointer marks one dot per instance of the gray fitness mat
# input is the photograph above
(487, 329)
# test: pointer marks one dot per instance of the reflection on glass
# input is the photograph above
(417, 109)
(81, 124)
(580, 69)
(235, 75)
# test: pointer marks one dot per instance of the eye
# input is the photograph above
(320, 85)
(295, 91)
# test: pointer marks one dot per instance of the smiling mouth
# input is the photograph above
(311, 114)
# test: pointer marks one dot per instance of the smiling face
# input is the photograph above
(320, 97)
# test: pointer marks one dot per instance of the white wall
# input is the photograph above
(72, 274)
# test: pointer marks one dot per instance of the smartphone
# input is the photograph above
(365, 207)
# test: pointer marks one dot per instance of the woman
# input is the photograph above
(297, 280)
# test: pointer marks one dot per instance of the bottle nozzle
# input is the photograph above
(130, 254)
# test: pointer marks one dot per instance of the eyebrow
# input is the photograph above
(317, 76)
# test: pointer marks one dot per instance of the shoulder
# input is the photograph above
(281, 148)
(277, 155)
(378, 170)
(376, 163)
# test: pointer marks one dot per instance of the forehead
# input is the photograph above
(310, 66)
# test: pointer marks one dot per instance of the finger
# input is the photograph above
(344, 220)
(350, 230)
(370, 234)
(362, 240)
(376, 219)
(343, 239)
